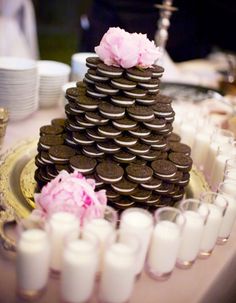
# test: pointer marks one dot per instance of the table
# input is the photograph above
(208, 281)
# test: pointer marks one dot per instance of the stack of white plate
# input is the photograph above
(78, 65)
(52, 76)
(18, 86)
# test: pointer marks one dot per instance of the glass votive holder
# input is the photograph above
(139, 222)
(195, 214)
(32, 259)
(217, 205)
(79, 267)
(118, 273)
(165, 241)
(228, 190)
(60, 225)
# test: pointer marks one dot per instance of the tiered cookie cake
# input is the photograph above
(118, 131)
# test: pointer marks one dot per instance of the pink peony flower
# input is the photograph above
(71, 193)
(120, 48)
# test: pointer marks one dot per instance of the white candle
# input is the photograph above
(140, 223)
(32, 262)
(191, 237)
(211, 228)
(61, 225)
(118, 276)
(78, 271)
(164, 247)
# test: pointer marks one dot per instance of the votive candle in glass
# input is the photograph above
(139, 222)
(165, 241)
(217, 205)
(196, 214)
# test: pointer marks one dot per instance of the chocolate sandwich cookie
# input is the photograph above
(44, 175)
(73, 93)
(152, 139)
(82, 139)
(92, 62)
(45, 142)
(141, 195)
(88, 81)
(125, 141)
(178, 176)
(157, 71)
(123, 84)
(153, 199)
(151, 155)
(73, 109)
(140, 132)
(165, 188)
(111, 194)
(180, 148)
(44, 157)
(139, 173)
(51, 130)
(86, 103)
(92, 151)
(124, 202)
(38, 161)
(95, 94)
(138, 149)
(109, 172)
(165, 200)
(58, 122)
(124, 157)
(164, 169)
(141, 113)
(153, 91)
(138, 75)
(108, 131)
(95, 118)
(110, 111)
(163, 99)
(74, 126)
(70, 113)
(160, 145)
(181, 161)
(80, 84)
(94, 135)
(155, 124)
(109, 71)
(81, 121)
(174, 138)
(139, 161)
(98, 182)
(178, 195)
(184, 180)
(151, 84)
(94, 76)
(166, 131)
(83, 164)
(162, 110)
(124, 124)
(61, 154)
(122, 101)
(60, 167)
(105, 88)
(124, 187)
(108, 147)
(70, 141)
(51, 171)
(152, 184)
(135, 93)
(146, 100)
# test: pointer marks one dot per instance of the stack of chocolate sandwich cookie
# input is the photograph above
(118, 131)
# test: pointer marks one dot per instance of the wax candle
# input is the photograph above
(164, 247)
(140, 223)
(80, 261)
(118, 275)
(32, 262)
(191, 238)
(61, 225)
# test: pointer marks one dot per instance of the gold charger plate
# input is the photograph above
(17, 182)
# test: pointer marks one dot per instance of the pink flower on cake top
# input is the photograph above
(120, 48)
(71, 193)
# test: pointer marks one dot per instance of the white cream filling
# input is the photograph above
(153, 90)
(139, 134)
(124, 86)
(148, 85)
(139, 179)
(156, 145)
(169, 118)
(113, 114)
(109, 133)
(106, 90)
(108, 149)
(110, 180)
(96, 94)
(117, 101)
(83, 141)
(182, 166)
(40, 161)
(159, 190)
(124, 159)
(142, 117)
(183, 181)
(164, 176)
(156, 126)
(138, 77)
(77, 111)
(126, 190)
(150, 186)
(109, 73)
(88, 106)
(46, 161)
(70, 141)
(84, 123)
(44, 146)
(125, 143)
(88, 80)
(96, 137)
(96, 77)
(81, 170)
(58, 159)
(146, 157)
(97, 154)
(145, 101)
(140, 198)
(76, 126)
(138, 151)
(155, 74)
(162, 114)
(96, 120)
(132, 94)
(123, 126)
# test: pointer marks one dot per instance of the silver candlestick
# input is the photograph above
(161, 35)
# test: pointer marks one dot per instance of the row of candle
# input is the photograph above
(174, 236)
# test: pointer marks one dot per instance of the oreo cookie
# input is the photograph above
(109, 131)
(111, 194)
(135, 93)
(155, 124)
(82, 139)
(152, 184)
(124, 84)
(94, 135)
(141, 195)
(95, 94)
(163, 99)
(138, 75)
(45, 159)
(106, 89)
(164, 169)
(141, 113)
(122, 101)
(151, 155)
(81, 121)
(58, 122)
(51, 130)
(110, 111)
(92, 151)
(92, 62)
(83, 164)
(109, 172)
(95, 118)
(109, 71)
(157, 71)
(45, 142)
(61, 154)
(86, 103)
(174, 138)
(181, 161)
(108, 147)
(124, 157)
(146, 100)
(124, 124)
(140, 132)
(180, 148)
(124, 187)
(138, 149)
(139, 173)
(162, 110)
(94, 76)
(125, 141)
